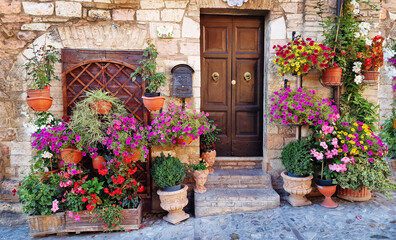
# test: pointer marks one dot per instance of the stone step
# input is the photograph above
(223, 201)
(392, 167)
(238, 163)
(238, 178)
(11, 207)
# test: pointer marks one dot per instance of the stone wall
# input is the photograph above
(125, 25)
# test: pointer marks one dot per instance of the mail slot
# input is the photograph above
(182, 81)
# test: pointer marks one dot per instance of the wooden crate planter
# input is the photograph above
(132, 220)
(44, 225)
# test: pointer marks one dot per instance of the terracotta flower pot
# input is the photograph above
(360, 195)
(101, 106)
(153, 103)
(298, 187)
(210, 158)
(135, 157)
(71, 155)
(200, 178)
(34, 93)
(97, 162)
(39, 104)
(174, 202)
(371, 77)
(332, 76)
(328, 191)
(184, 140)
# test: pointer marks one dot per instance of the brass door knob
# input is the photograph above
(247, 76)
(233, 82)
(215, 76)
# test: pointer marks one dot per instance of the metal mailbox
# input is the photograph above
(182, 81)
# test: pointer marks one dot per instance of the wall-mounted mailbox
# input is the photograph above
(182, 81)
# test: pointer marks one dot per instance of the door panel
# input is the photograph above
(232, 46)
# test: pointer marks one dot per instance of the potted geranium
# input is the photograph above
(200, 173)
(297, 178)
(153, 80)
(41, 69)
(168, 174)
(208, 145)
(372, 60)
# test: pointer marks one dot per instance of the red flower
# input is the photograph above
(106, 190)
(13, 192)
(343, 52)
(132, 171)
(333, 54)
(105, 226)
(304, 54)
(311, 43)
(103, 171)
(299, 47)
(90, 207)
(286, 62)
(140, 189)
(20, 184)
(134, 182)
(84, 199)
(316, 51)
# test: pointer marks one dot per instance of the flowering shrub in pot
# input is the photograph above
(208, 145)
(372, 60)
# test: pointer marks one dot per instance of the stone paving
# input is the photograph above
(375, 219)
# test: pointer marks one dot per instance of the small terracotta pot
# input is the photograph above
(361, 195)
(135, 157)
(210, 158)
(71, 155)
(298, 187)
(46, 175)
(328, 191)
(184, 141)
(101, 106)
(153, 103)
(97, 162)
(200, 178)
(332, 76)
(39, 104)
(371, 77)
(34, 93)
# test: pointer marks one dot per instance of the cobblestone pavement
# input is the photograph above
(375, 219)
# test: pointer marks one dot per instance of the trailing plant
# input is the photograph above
(154, 80)
(200, 166)
(296, 158)
(41, 66)
(168, 171)
(208, 140)
(110, 215)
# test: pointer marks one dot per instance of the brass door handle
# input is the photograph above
(215, 76)
(247, 76)
(233, 82)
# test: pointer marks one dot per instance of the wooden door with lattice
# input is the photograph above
(110, 71)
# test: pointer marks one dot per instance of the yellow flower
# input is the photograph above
(340, 150)
(365, 147)
(361, 142)
(352, 129)
(342, 141)
(355, 124)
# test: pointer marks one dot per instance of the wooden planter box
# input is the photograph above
(44, 225)
(132, 220)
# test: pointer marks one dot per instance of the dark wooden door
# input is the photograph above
(232, 49)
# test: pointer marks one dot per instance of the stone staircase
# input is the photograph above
(236, 190)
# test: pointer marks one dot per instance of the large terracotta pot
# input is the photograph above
(135, 157)
(200, 178)
(184, 140)
(153, 103)
(332, 76)
(210, 158)
(298, 187)
(39, 99)
(174, 202)
(360, 195)
(328, 191)
(371, 77)
(97, 162)
(71, 155)
(101, 106)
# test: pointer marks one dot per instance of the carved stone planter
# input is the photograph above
(200, 178)
(210, 158)
(298, 188)
(174, 202)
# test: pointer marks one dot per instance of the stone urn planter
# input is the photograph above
(210, 158)
(200, 178)
(174, 202)
(298, 187)
(361, 195)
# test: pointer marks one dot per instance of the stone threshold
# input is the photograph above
(239, 158)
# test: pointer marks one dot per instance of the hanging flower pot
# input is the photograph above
(97, 162)
(135, 157)
(184, 140)
(360, 195)
(34, 93)
(39, 99)
(101, 106)
(71, 155)
(332, 76)
(371, 77)
(210, 158)
(153, 101)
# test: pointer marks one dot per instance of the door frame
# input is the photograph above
(265, 15)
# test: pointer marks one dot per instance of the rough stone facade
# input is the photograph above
(125, 25)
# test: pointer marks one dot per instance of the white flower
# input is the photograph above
(359, 79)
(368, 41)
(353, 2)
(356, 11)
(356, 69)
(47, 155)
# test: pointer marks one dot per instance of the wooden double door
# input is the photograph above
(232, 81)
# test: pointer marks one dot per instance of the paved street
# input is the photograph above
(375, 219)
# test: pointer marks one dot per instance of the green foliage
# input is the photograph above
(41, 66)
(208, 140)
(36, 196)
(200, 166)
(99, 94)
(147, 71)
(44, 160)
(388, 134)
(110, 215)
(296, 158)
(93, 186)
(168, 171)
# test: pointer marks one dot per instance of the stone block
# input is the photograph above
(190, 48)
(15, 19)
(33, 8)
(102, 1)
(152, 4)
(167, 47)
(190, 28)
(195, 63)
(172, 15)
(147, 15)
(68, 9)
(7, 135)
(176, 4)
(278, 28)
(123, 14)
(274, 141)
(99, 14)
(10, 7)
(35, 26)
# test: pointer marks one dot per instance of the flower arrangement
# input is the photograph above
(200, 166)
(372, 58)
(300, 56)
(301, 107)
(208, 140)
